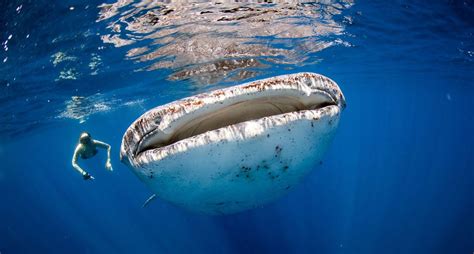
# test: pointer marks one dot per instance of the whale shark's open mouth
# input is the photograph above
(180, 120)
(236, 113)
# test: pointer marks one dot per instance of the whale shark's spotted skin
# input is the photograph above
(176, 151)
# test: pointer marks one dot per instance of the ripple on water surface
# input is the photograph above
(209, 41)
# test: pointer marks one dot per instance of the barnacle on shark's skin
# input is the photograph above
(236, 148)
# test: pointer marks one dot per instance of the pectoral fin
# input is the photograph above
(149, 200)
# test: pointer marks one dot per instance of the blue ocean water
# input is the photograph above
(398, 178)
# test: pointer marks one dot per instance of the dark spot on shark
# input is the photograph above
(158, 120)
(277, 151)
(245, 169)
(167, 12)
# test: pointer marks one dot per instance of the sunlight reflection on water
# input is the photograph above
(209, 41)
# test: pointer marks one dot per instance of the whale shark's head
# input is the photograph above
(208, 141)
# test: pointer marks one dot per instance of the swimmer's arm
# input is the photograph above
(74, 161)
(103, 145)
(107, 146)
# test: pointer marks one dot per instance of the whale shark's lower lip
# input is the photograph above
(172, 145)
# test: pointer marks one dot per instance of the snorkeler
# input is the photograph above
(87, 148)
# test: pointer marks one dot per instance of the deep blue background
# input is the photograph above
(398, 178)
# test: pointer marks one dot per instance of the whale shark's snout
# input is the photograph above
(236, 148)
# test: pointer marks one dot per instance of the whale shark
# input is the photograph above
(235, 148)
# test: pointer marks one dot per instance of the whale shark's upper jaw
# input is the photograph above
(192, 116)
